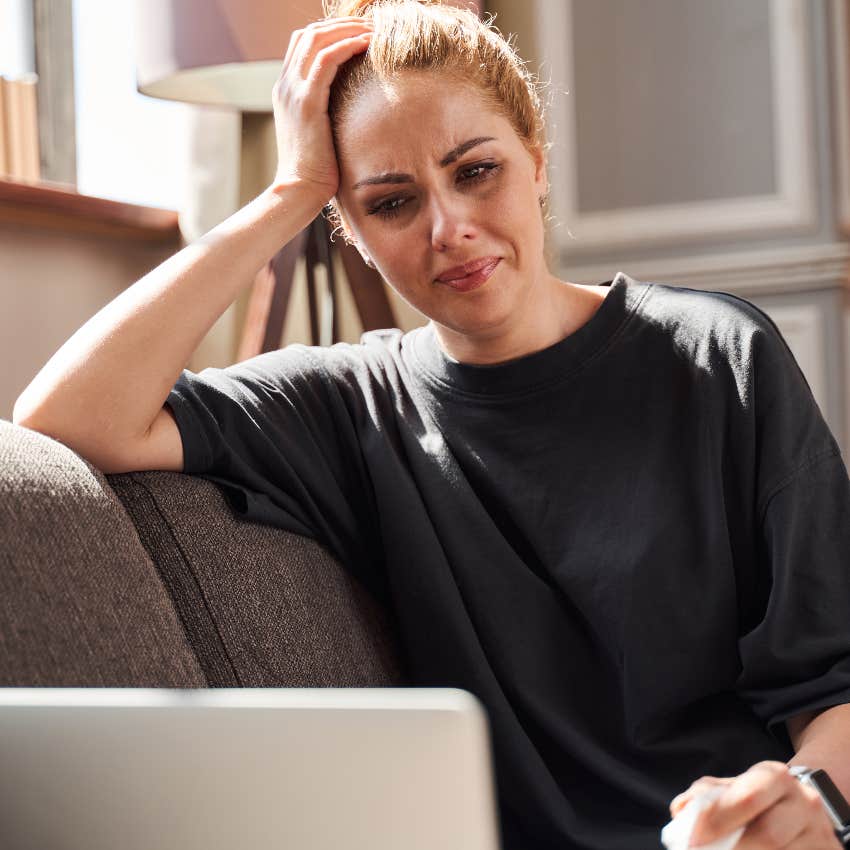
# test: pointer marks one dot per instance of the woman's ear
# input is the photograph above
(362, 251)
(541, 180)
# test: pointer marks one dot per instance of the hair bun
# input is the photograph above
(346, 8)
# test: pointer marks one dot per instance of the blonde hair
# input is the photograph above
(418, 35)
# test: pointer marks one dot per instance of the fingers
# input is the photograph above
(327, 61)
(681, 800)
(818, 833)
(782, 824)
(328, 23)
(774, 809)
(306, 45)
(751, 794)
(300, 99)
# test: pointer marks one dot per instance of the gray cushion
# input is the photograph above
(263, 607)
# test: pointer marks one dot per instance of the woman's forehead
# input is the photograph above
(415, 113)
(410, 92)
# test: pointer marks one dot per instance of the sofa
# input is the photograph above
(148, 579)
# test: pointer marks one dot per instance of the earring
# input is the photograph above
(366, 258)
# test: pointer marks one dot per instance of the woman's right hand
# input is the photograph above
(305, 149)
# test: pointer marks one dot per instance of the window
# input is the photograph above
(17, 54)
(130, 147)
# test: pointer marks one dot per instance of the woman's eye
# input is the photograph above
(391, 207)
(481, 171)
(385, 209)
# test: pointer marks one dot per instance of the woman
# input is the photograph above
(591, 506)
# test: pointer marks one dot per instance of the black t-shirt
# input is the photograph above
(632, 546)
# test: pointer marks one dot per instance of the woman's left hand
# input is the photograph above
(778, 811)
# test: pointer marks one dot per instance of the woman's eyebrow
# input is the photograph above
(448, 159)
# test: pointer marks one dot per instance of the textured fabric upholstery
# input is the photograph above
(147, 579)
(80, 603)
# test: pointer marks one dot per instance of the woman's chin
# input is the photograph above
(476, 322)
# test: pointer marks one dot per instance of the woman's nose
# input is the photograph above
(451, 223)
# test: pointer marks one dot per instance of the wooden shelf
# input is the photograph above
(59, 206)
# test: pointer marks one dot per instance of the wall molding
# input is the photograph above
(840, 77)
(840, 31)
(792, 209)
(846, 342)
(766, 272)
(54, 64)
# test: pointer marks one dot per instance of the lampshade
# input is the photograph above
(219, 52)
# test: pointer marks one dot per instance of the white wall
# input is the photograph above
(130, 147)
(17, 48)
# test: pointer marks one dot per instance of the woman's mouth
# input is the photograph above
(472, 280)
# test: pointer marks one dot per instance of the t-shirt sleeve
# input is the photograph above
(795, 654)
(798, 656)
(283, 449)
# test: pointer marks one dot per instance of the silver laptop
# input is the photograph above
(306, 768)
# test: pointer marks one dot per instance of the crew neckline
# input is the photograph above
(531, 371)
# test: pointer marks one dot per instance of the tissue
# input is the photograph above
(676, 835)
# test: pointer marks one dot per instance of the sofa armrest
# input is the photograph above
(80, 601)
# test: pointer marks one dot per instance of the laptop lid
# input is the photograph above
(203, 769)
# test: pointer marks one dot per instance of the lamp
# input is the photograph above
(229, 53)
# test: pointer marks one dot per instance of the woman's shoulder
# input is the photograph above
(375, 349)
(375, 361)
(730, 341)
(706, 308)
(711, 320)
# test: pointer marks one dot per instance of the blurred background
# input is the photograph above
(698, 144)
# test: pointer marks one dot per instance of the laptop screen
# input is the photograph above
(318, 768)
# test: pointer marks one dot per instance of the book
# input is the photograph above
(5, 140)
(20, 155)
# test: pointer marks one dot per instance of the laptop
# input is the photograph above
(209, 769)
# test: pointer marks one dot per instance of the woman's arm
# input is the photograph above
(798, 723)
(101, 391)
(822, 740)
